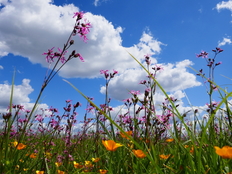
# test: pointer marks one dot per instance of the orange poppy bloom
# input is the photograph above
(139, 153)
(164, 156)
(224, 152)
(60, 172)
(124, 135)
(58, 164)
(77, 165)
(33, 155)
(111, 145)
(95, 160)
(39, 172)
(21, 146)
(169, 140)
(103, 171)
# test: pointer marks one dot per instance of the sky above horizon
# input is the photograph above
(172, 32)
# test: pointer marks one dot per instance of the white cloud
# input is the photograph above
(40, 25)
(20, 95)
(174, 77)
(97, 2)
(224, 5)
(1, 67)
(224, 42)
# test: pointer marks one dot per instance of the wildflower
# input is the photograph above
(95, 160)
(58, 164)
(111, 145)
(139, 153)
(88, 164)
(103, 171)
(203, 54)
(124, 135)
(77, 165)
(19, 146)
(33, 155)
(17, 167)
(60, 172)
(39, 172)
(162, 156)
(224, 152)
(79, 15)
(169, 140)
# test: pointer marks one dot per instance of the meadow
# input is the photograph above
(143, 140)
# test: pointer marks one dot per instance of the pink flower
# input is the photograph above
(80, 57)
(203, 54)
(79, 15)
(50, 55)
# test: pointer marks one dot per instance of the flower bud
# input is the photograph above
(71, 42)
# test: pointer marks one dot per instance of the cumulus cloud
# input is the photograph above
(40, 25)
(20, 95)
(224, 5)
(173, 77)
(32, 27)
(224, 42)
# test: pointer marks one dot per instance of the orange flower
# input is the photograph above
(95, 160)
(60, 172)
(39, 172)
(124, 135)
(21, 146)
(164, 156)
(33, 155)
(111, 145)
(77, 165)
(103, 171)
(88, 164)
(169, 140)
(139, 153)
(224, 152)
(58, 164)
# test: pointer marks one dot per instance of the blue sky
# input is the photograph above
(173, 32)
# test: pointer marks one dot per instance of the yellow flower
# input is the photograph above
(124, 135)
(162, 156)
(88, 164)
(15, 143)
(139, 153)
(33, 155)
(169, 140)
(19, 146)
(17, 167)
(48, 155)
(39, 172)
(58, 164)
(77, 165)
(224, 152)
(111, 145)
(103, 171)
(95, 160)
(60, 172)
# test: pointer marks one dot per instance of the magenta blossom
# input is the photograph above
(79, 15)
(203, 54)
(135, 92)
(49, 55)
